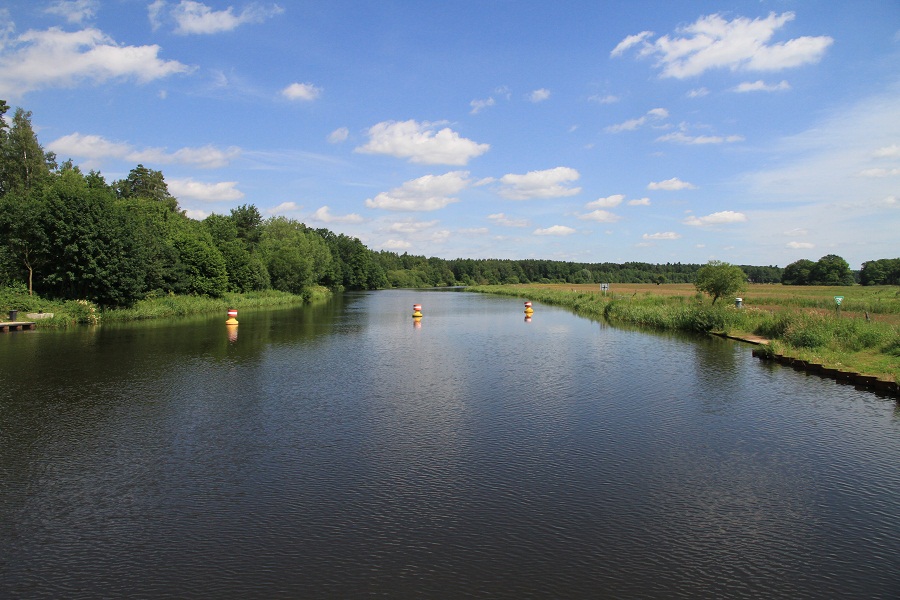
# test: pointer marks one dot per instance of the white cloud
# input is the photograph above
(601, 216)
(55, 58)
(94, 149)
(324, 215)
(338, 135)
(879, 172)
(420, 143)
(539, 95)
(762, 86)
(639, 202)
(800, 245)
(652, 115)
(892, 151)
(550, 183)
(607, 202)
(301, 91)
(665, 235)
(628, 42)
(673, 184)
(284, 207)
(206, 192)
(717, 218)
(739, 45)
(74, 11)
(558, 230)
(431, 192)
(608, 99)
(502, 219)
(698, 93)
(411, 226)
(679, 137)
(396, 245)
(479, 105)
(192, 17)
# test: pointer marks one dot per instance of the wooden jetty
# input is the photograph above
(16, 326)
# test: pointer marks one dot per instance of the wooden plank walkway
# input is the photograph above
(16, 326)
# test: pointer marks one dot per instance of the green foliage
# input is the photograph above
(885, 271)
(828, 270)
(719, 279)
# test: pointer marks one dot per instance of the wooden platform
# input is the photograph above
(16, 326)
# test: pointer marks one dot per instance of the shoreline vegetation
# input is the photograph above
(67, 313)
(798, 326)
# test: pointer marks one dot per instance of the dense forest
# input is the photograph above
(72, 235)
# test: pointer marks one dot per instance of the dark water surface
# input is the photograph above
(338, 451)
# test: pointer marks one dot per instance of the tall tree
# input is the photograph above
(24, 166)
(147, 184)
(717, 279)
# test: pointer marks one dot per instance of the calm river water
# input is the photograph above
(340, 451)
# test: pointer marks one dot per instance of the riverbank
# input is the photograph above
(797, 332)
(82, 312)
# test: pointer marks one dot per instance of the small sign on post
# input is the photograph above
(604, 287)
(837, 301)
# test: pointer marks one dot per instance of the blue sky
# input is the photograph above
(754, 132)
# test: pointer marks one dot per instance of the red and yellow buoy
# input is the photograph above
(417, 310)
(232, 317)
(528, 309)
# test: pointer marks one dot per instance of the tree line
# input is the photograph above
(72, 235)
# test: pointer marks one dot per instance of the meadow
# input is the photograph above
(860, 336)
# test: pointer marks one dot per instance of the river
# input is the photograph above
(345, 450)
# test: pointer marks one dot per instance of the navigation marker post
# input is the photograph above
(837, 301)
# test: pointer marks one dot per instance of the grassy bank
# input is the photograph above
(802, 325)
(74, 312)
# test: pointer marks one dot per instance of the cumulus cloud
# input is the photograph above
(301, 91)
(420, 143)
(550, 183)
(892, 151)
(607, 99)
(601, 216)
(338, 135)
(671, 185)
(717, 218)
(762, 86)
(652, 115)
(396, 245)
(206, 192)
(741, 44)
(324, 215)
(502, 219)
(558, 230)
(73, 11)
(607, 202)
(93, 149)
(479, 105)
(431, 192)
(196, 18)
(55, 58)
(665, 235)
(680, 137)
(411, 226)
(539, 95)
(630, 41)
(800, 245)
(284, 207)
(639, 202)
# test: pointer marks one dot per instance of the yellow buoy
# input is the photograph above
(417, 310)
(232, 317)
